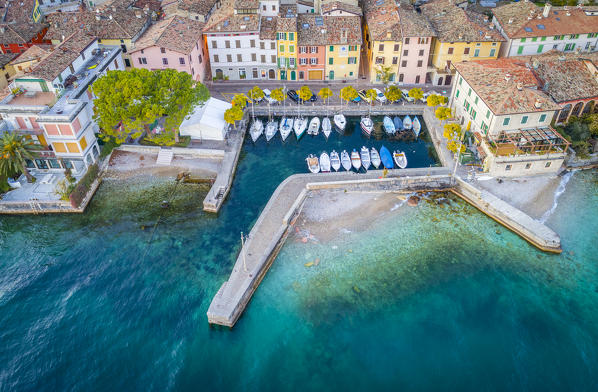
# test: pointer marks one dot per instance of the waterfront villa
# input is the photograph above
(174, 43)
(530, 29)
(460, 36)
(501, 103)
(53, 103)
(113, 26)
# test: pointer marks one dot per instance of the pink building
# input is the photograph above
(417, 39)
(174, 43)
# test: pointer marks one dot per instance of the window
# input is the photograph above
(524, 120)
(450, 50)
(406, 52)
(352, 60)
(466, 51)
(350, 73)
(420, 63)
(396, 48)
(331, 48)
(273, 58)
(395, 60)
(303, 49)
(303, 61)
(508, 167)
(252, 43)
(404, 63)
(379, 60)
(214, 45)
(291, 48)
(574, 36)
(262, 45)
(216, 58)
(473, 114)
(492, 52)
(313, 61)
(142, 60)
(127, 63)
(313, 49)
(162, 50)
(182, 60)
(520, 50)
(466, 105)
(476, 53)
(417, 79)
(547, 164)
(460, 81)
(242, 74)
(475, 101)
(229, 58)
(262, 58)
(540, 48)
(469, 92)
(523, 40)
(164, 61)
(254, 73)
(381, 47)
(422, 40)
(457, 94)
(506, 121)
(291, 36)
(227, 44)
(528, 165)
(330, 61)
(401, 78)
(543, 118)
(292, 62)
(239, 58)
(534, 39)
(406, 41)
(488, 113)
(253, 57)
(272, 45)
(421, 52)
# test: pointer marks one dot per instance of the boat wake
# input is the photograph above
(559, 191)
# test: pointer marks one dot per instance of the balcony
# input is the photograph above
(528, 142)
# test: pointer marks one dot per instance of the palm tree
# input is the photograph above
(14, 150)
(325, 93)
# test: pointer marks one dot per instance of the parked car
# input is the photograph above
(268, 98)
(293, 95)
(380, 97)
(363, 95)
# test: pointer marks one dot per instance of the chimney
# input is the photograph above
(510, 21)
(546, 11)
(538, 103)
(110, 16)
(519, 86)
(568, 13)
(508, 77)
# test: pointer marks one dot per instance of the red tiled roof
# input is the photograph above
(176, 33)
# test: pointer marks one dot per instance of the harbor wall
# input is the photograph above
(194, 152)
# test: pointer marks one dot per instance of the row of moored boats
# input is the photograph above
(301, 126)
(365, 158)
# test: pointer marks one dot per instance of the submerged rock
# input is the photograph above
(413, 201)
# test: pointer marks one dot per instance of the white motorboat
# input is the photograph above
(375, 158)
(367, 125)
(417, 126)
(335, 161)
(400, 159)
(365, 157)
(326, 127)
(407, 124)
(286, 126)
(324, 162)
(355, 160)
(314, 127)
(256, 129)
(312, 163)
(345, 160)
(271, 129)
(300, 126)
(389, 126)
(340, 121)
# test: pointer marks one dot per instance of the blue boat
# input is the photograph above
(398, 124)
(386, 158)
(407, 122)
(389, 126)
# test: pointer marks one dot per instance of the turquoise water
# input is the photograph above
(431, 297)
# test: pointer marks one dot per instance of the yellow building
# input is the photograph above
(343, 47)
(7, 71)
(286, 46)
(461, 36)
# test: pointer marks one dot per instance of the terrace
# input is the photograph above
(539, 141)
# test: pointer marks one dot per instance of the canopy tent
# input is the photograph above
(206, 122)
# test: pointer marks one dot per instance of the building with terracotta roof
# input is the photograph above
(198, 10)
(174, 43)
(17, 37)
(343, 41)
(460, 36)
(20, 11)
(312, 43)
(531, 30)
(502, 103)
(6, 69)
(112, 25)
(340, 8)
(50, 6)
(54, 104)
(286, 43)
(25, 61)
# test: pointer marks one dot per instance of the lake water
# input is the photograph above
(429, 298)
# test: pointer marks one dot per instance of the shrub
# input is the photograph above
(78, 194)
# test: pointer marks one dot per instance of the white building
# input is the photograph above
(531, 30)
(206, 122)
(501, 103)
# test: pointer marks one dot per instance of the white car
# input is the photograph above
(380, 97)
(267, 97)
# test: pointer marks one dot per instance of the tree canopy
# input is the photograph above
(233, 114)
(128, 102)
(278, 95)
(348, 93)
(305, 93)
(384, 73)
(325, 93)
(393, 93)
(416, 93)
(442, 114)
(14, 150)
(433, 100)
(240, 101)
(255, 93)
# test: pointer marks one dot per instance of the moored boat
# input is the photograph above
(256, 129)
(375, 157)
(340, 121)
(300, 125)
(345, 160)
(407, 122)
(312, 163)
(365, 157)
(398, 124)
(388, 125)
(271, 129)
(386, 158)
(335, 160)
(355, 160)
(367, 125)
(286, 126)
(400, 159)
(326, 127)
(314, 127)
(417, 126)
(324, 162)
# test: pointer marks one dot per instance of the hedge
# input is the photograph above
(78, 194)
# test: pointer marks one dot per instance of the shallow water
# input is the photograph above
(431, 297)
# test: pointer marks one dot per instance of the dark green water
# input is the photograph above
(445, 299)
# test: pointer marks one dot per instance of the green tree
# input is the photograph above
(254, 94)
(371, 95)
(384, 73)
(452, 131)
(128, 102)
(455, 146)
(433, 100)
(442, 114)
(278, 95)
(240, 100)
(325, 93)
(393, 93)
(14, 150)
(305, 93)
(232, 115)
(416, 93)
(348, 93)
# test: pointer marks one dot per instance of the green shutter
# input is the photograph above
(457, 94)
(523, 40)
(330, 61)
(331, 48)
(542, 118)
(543, 39)
(540, 48)
(520, 50)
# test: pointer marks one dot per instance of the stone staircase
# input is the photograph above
(164, 157)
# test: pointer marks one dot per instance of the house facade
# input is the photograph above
(312, 47)
(343, 38)
(286, 43)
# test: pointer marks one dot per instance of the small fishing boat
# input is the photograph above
(300, 126)
(256, 129)
(326, 127)
(365, 157)
(271, 129)
(341, 122)
(324, 162)
(375, 158)
(417, 126)
(386, 158)
(367, 125)
(400, 159)
(286, 126)
(345, 160)
(398, 124)
(389, 126)
(312, 163)
(355, 160)
(335, 161)
(314, 126)
(407, 124)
